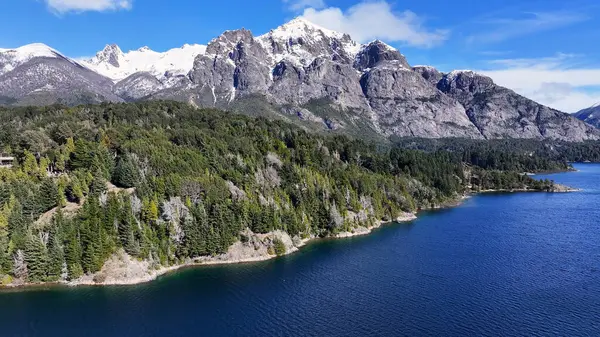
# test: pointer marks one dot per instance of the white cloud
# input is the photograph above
(558, 81)
(502, 29)
(495, 53)
(298, 5)
(65, 6)
(377, 20)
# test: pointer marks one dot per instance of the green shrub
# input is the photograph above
(279, 247)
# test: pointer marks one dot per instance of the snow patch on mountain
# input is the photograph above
(116, 65)
(12, 58)
(451, 76)
(300, 27)
(301, 41)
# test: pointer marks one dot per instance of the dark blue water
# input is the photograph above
(523, 264)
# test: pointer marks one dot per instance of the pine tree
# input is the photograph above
(213, 241)
(48, 195)
(36, 258)
(111, 215)
(126, 175)
(4, 257)
(153, 210)
(61, 189)
(69, 146)
(73, 256)
(194, 240)
(126, 228)
(17, 223)
(44, 166)
(98, 185)
(30, 165)
(82, 155)
(56, 257)
(150, 210)
(219, 239)
(5, 265)
(92, 256)
(74, 190)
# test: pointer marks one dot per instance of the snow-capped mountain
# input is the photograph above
(12, 58)
(298, 71)
(590, 115)
(37, 74)
(301, 41)
(116, 65)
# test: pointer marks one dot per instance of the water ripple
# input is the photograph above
(501, 265)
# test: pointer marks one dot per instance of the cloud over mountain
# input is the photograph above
(560, 81)
(66, 6)
(367, 21)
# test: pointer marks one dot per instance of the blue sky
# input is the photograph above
(547, 50)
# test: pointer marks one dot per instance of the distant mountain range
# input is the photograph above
(301, 72)
(590, 115)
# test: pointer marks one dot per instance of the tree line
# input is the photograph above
(166, 182)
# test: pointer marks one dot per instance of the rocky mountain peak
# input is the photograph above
(227, 41)
(298, 66)
(301, 27)
(111, 54)
(300, 42)
(432, 75)
(376, 52)
(116, 65)
(465, 80)
(590, 115)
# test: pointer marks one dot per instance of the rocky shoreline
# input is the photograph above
(256, 249)
(557, 188)
(121, 269)
(362, 230)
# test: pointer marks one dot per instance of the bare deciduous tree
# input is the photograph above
(335, 218)
(20, 266)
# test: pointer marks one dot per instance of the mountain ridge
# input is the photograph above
(361, 86)
(590, 115)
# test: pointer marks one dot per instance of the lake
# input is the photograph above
(500, 264)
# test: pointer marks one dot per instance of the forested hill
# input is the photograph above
(524, 155)
(166, 182)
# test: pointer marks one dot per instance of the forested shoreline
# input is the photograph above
(168, 183)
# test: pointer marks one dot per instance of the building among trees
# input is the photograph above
(6, 161)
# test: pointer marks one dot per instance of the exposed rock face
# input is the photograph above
(285, 69)
(432, 75)
(233, 65)
(213, 76)
(407, 105)
(501, 113)
(376, 52)
(322, 78)
(251, 74)
(110, 54)
(590, 115)
(294, 71)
